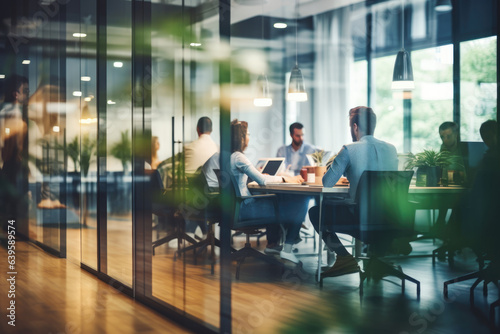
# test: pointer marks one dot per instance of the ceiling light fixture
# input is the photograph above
(263, 99)
(79, 35)
(118, 64)
(443, 6)
(85, 78)
(26, 62)
(296, 86)
(402, 76)
(280, 25)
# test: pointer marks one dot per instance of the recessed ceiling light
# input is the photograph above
(280, 25)
(85, 78)
(77, 93)
(26, 62)
(118, 64)
(111, 102)
(79, 35)
(195, 44)
(56, 128)
(87, 99)
(2, 76)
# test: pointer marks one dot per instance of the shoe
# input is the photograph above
(331, 257)
(273, 250)
(342, 266)
(289, 256)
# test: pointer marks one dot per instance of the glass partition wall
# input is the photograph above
(116, 89)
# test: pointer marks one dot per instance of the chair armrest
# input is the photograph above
(339, 202)
(258, 196)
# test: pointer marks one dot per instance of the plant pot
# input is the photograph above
(319, 171)
(428, 176)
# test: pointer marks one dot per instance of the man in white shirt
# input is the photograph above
(196, 154)
(199, 151)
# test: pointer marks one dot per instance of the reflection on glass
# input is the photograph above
(85, 82)
(387, 104)
(478, 85)
(432, 100)
(119, 141)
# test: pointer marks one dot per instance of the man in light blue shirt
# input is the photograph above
(365, 153)
(295, 154)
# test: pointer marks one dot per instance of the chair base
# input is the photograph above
(178, 234)
(258, 235)
(378, 269)
(490, 274)
(199, 247)
(241, 254)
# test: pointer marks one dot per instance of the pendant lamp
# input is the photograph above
(263, 98)
(443, 6)
(402, 76)
(296, 86)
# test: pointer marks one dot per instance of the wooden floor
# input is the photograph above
(56, 296)
(264, 300)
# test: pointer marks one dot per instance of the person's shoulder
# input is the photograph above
(308, 148)
(282, 149)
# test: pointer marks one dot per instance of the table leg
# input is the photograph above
(320, 232)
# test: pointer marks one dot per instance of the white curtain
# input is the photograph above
(334, 57)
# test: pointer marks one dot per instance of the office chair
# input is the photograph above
(204, 204)
(165, 204)
(248, 226)
(477, 216)
(383, 214)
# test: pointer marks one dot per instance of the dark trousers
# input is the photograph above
(334, 215)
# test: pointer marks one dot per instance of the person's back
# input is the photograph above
(208, 170)
(369, 153)
(199, 151)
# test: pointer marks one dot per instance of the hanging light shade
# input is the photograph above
(443, 5)
(86, 117)
(264, 98)
(296, 87)
(402, 77)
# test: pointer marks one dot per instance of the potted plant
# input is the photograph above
(120, 187)
(122, 150)
(429, 164)
(320, 158)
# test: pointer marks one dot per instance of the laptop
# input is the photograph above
(270, 166)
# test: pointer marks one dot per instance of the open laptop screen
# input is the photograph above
(273, 166)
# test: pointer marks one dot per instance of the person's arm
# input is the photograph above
(337, 168)
(246, 167)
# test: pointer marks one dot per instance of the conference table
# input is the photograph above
(429, 195)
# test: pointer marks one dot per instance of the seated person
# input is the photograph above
(296, 153)
(489, 135)
(292, 209)
(449, 134)
(208, 170)
(366, 153)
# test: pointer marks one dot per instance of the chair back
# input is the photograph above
(263, 209)
(382, 199)
(204, 202)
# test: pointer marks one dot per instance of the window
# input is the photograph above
(478, 85)
(432, 101)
